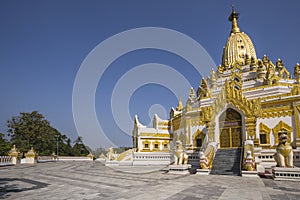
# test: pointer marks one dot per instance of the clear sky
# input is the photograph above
(43, 44)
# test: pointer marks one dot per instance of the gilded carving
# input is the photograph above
(164, 135)
(297, 70)
(180, 156)
(206, 114)
(261, 69)
(280, 128)
(275, 112)
(203, 90)
(284, 152)
(206, 158)
(297, 120)
(180, 106)
(279, 65)
(264, 129)
(249, 163)
(198, 134)
(253, 64)
(111, 154)
(250, 127)
(295, 90)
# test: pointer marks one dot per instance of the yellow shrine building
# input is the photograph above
(246, 100)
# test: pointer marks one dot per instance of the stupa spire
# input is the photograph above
(233, 18)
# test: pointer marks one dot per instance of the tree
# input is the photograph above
(65, 147)
(79, 149)
(5, 146)
(33, 130)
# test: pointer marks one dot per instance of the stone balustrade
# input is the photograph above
(5, 160)
(74, 158)
(46, 159)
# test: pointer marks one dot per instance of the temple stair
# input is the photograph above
(227, 162)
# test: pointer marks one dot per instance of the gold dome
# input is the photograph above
(238, 46)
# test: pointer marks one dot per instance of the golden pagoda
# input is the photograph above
(243, 106)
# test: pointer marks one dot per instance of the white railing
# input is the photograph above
(5, 160)
(74, 158)
(45, 159)
(150, 158)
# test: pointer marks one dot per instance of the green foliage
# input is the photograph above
(33, 130)
(65, 147)
(30, 129)
(5, 146)
(79, 148)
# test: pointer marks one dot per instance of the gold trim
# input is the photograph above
(282, 126)
(281, 111)
(156, 134)
(297, 120)
(195, 135)
(265, 130)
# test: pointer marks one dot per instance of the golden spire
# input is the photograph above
(233, 18)
(180, 106)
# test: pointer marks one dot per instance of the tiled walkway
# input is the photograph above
(92, 180)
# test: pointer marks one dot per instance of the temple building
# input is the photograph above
(246, 102)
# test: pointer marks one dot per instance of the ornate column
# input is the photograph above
(211, 130)
(187, 131)
(14, 155)
(250, 123)
(297, 124)
(30, 156)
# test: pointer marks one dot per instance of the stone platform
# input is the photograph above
(250, 174)
(93, 180)
(284, 173)
(179, 169)
(110, 163)
(203, 171)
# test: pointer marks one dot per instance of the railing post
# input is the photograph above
(14, 155)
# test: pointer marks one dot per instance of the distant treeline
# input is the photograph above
(33, 130)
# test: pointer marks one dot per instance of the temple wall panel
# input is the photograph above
(294, 126)
(271, 123)
(178, 134)
(194, 129)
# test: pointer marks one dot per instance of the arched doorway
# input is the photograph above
(230, 126)
(198, 139)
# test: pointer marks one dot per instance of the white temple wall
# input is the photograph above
(178, 134)
(140, 144)
(194, 129)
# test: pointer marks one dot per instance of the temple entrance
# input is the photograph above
(199, 142)
(230, 126)
(198, 139)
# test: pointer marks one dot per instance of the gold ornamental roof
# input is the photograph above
(238, 46)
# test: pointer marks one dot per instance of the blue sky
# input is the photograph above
(43, 44)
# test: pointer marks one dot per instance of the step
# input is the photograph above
(227, 162)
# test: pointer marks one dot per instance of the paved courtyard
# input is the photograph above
(92, 180)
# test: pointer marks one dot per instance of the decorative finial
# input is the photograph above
(192, 92)
(233, 18)
(180, 106)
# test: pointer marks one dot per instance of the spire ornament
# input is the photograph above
(180, 106)
(233, 18)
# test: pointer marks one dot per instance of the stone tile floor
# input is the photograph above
(92, 180)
